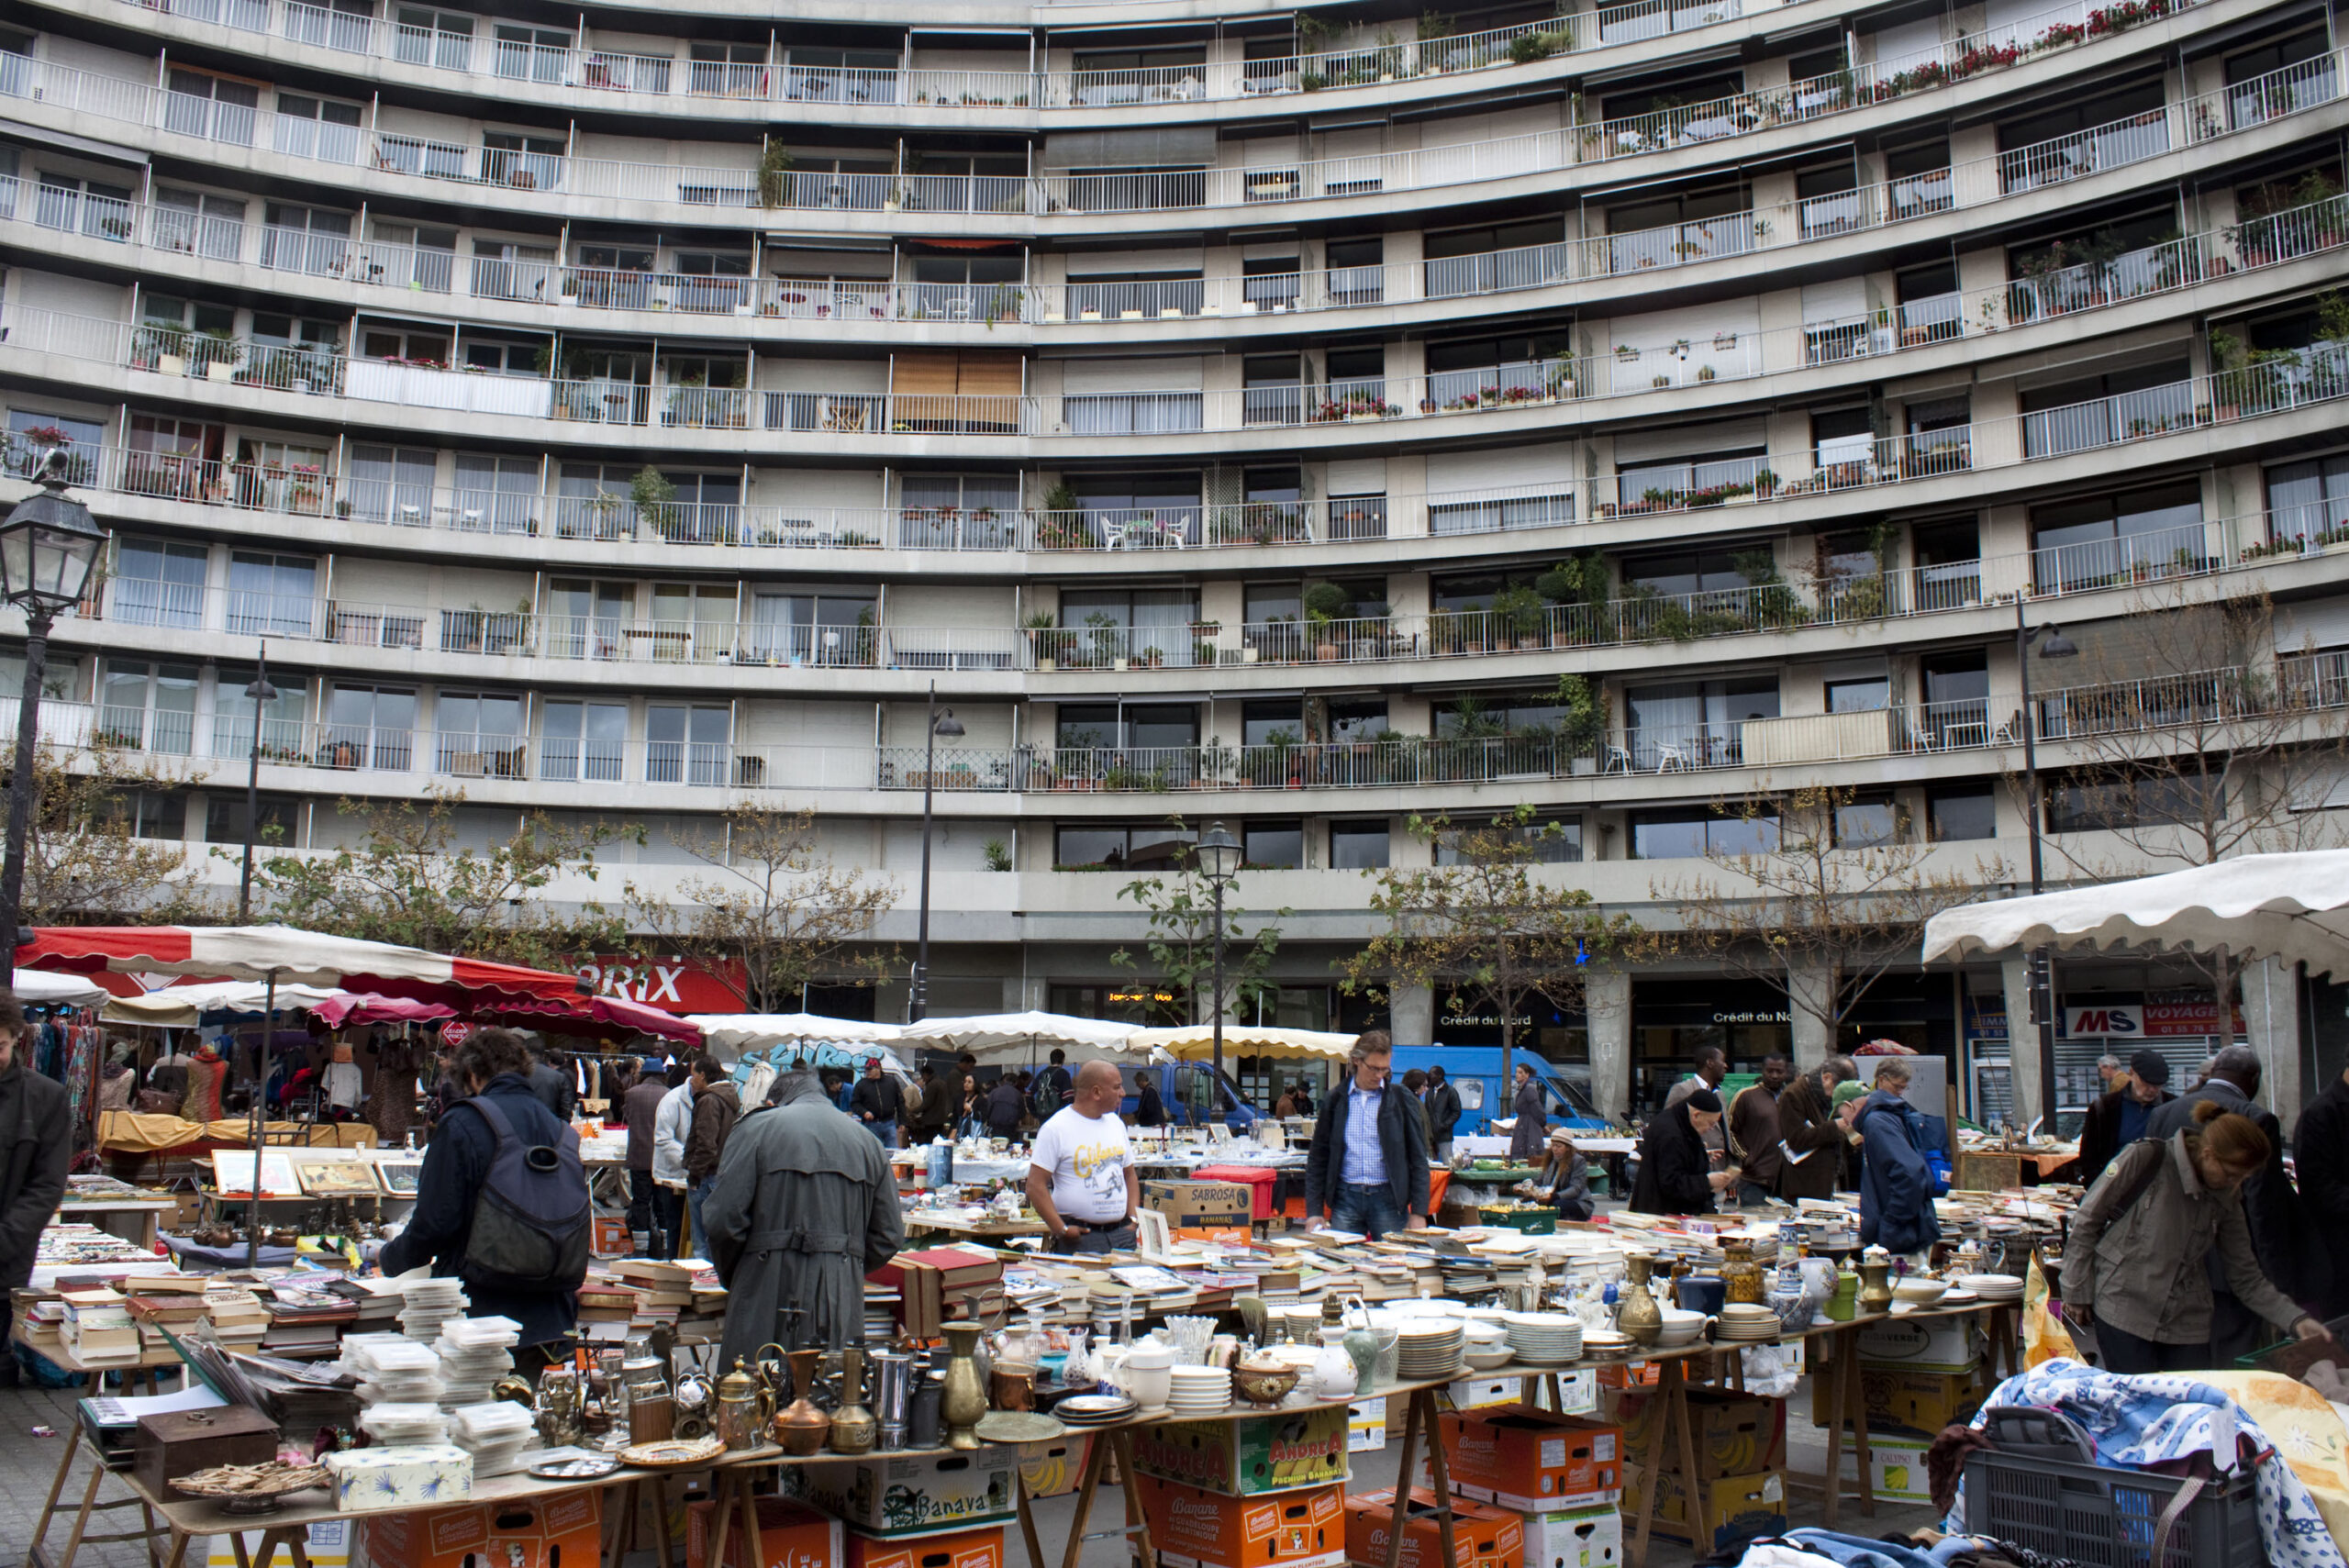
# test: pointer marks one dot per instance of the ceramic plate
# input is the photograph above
(586, 1469)
(1957, 1299)
(671, 1456)
(1018, 1427)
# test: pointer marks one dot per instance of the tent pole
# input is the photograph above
(260, 1080)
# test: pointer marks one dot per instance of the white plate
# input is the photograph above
(1959, 1298)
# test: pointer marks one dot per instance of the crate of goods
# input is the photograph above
(1483, 1537)
(1304, 1527)
(980, 1547)
(790, 1535)
(1259, 1180)
(1526, 1221)
(1925, 1344)
(1482, 1393)
(1896, 1469)
(1731, 1506)
(1733, 1433)
(1530, 1459)
(1909, 1403)
(896, 1494)
(1256, 1453)
(534, 1533)
(1201, 1203)
(1574, 1537)
(2084, 1512)
(1052, 1469)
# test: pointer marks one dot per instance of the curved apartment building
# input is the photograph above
(1234, 414)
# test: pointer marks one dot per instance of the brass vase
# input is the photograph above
(1636, 1313)
(964, 1401)
(799, 1427)
(856, 1428)
(1876, 1286)
(1743, 1276)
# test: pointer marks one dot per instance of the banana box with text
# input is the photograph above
(1528, 1460)
(522, 1532)
(1304, 1527)
(1574, 1537)
(980, 1547)
(1483, 1536)
(790, 1535)
(1731, 1505)
(1733, 1433)
(1256, 1453)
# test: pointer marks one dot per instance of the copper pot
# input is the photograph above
(799, 1427)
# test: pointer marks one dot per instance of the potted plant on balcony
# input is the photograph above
(1325, 603)
(1045, 640)
(1582, 724)
(1203, 636)
(1575, 589)
(774, 174)
(1518, 615)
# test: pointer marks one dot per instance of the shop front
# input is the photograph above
(1675, 1017)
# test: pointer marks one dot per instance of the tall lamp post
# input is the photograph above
(1219, 854)
(48, 547)
(263, 693)
(941, 722)
(2043, 987)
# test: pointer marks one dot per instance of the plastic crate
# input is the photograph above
(1525, 1221)
(2103, 1517)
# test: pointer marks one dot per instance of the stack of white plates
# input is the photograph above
(392, 1368)
(1200, 1391)
(1545, 1339)
(1993, 1287)
(1606, 1342)
(1741, 1320)
(394, 1426)
(426, 1304)
(1429, 1348)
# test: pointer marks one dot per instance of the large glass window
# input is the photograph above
(687, 743)
(1691, 833)
(1960, 811)
(283, 719)
(369, 727)
(2308, 502)
(273, 596)
(1490, 257)
(157, 583)
(2096, 540)
(1358, 846)
(147, 706)
(480, 734)
(1696, 724)
(1116, 846)
(582, 741)
(1150, 626)
(810, 628)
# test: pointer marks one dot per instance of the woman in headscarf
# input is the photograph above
(1565, 1180)
(1528, 1137)
(1674, 1175)
(114, 1084)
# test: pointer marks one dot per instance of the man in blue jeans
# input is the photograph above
(1369, 1164)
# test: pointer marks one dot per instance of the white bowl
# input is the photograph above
(1485, 1360)
(1923, 1291)
(1989, 1284)
(1679, 1321)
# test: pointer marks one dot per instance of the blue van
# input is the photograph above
(1475, 1071)
(1183, 1089)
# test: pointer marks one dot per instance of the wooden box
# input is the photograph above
(180, 1442)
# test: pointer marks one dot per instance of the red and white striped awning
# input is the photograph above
(294, 957)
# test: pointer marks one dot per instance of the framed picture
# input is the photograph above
(338, 1178)
(400, 1176)
(232, 1172)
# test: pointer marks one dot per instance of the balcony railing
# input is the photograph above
(2293, 89)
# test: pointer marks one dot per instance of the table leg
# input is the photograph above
(1838, 1411)
(661, 1521)
(1676, 1413)
(1096, 1458)
(1399, 1521)
(81, 1519)
(236, 1541)
(746, 1499)
(1439, 1473)
(721, 1510)
(56, 1489)
(1027, 1523)
(1138, 1547)
(147, 1516)
(1856, 1411)
(178, 1557)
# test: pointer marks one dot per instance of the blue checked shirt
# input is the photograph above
(1364, 1164)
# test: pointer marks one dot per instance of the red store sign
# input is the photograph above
(672, 984)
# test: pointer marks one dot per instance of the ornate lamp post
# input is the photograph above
(1219, 854)
(941, 722)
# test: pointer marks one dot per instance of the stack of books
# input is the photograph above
(239, 1317)
(176, 1310)
(99, 1329)
(940, 1285)
(306, 1319)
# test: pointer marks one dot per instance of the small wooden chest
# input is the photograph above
(180, 1442)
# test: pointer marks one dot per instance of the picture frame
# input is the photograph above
(232, 1173)
(338, 1178)
(400, 1177)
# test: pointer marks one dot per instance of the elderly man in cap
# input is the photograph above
(2118, 1119)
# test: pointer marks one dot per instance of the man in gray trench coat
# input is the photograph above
(804, 1206)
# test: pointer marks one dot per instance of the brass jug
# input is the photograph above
(964, 1399)
(799, 1427)
(854, 1427)
(1743, 1276)
(745, 1409)
(1875, 1285)
(1636, 1313)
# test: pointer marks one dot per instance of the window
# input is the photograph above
(1272, 389)
(1919, 179)
(1137, 76)
(2309, 500)
(1353, 720)
(1357, 272)
(2146, 800)
(584, 619)
(71, 204)
(533, 54)
(525, 163)
(1499, 713)
(2098, 540)
(1685, 571)
(509, 269)
(392, 485)
(1166, 725)
(158, 584)
(214, 107)
(150, 813)
(728, 70)
(582, 741)
(1954, 812)
(1157, 846)
(424, 36)
(80, 440)
(1957, 697)
(283, 717)
(421, 346)
(1949, 563)
(1557, 841)
(492, 356)
(686, 744)
(1358, 846)
(1692, 724)
(224, 818)
(180, 457)
(2277, 79)
(1868, 822)
(1841, 442)
(480, 735)
(318, 127)
(2098, 411)
(1469, 366)
(1672, 483)
(1690, 833)
(1868, 694)
(2051, 147)
(369, 727)
(1829, 198)
(305, 239)
(1271, 846)
(841, 77)
(342, 24)
(1690, 225)
(145, 706)
(195, 224)
(272, 596)
(1490, 257)
(1357, 374)
(1269, 283)
(1149, 625)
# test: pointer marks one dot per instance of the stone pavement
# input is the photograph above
(32, 1462)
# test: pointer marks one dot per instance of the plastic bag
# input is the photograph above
(2044, 1337)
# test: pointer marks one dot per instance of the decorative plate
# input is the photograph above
(671, 1456)
(1018, 1427)
(590, 1467)
(250, 1488)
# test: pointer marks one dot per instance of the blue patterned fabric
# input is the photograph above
(2150, 1420)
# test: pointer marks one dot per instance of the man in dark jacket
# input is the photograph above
(492, 1064)
(877, 1102)
(1896, 1184)
(941, 1103)
(1676, 1173)
(652, 1219)
(1811, 1157)
(2119, 1118)
(716, 1108)
(1369, 1164)
(1443, 1113)
(2320, 1154)
(2268, 1201)
(550, 1084)
(1004, 1105)
(40, 1133)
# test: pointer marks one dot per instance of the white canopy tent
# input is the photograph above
(1195, 1042)
(183, 1007)
(2292, 906)
(41, 988)
(1011, 1039)
(832, 1042)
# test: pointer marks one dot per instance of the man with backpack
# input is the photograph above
(1896, 1183)
(1052, 1089)
(502, 1202)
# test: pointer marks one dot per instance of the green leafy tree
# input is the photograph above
(1486, 928)
(1180, 945)
(85, 863)
(409, 881)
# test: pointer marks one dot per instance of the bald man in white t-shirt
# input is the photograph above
(1081, 1176)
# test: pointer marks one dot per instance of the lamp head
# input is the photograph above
(2057, 645)
(1218, 853)
(48, 546)
(946, 726)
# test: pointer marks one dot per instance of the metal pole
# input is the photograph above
(253, 1123)
(1215, 1001)
(21, 787)
(920, 1009)
(252, 790)
(2042, 978)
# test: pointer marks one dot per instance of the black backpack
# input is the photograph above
(532, 1219)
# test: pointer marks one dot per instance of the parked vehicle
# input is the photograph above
(1183, 1087)
(1475, 1071)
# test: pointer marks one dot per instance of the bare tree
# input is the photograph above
(2187, 736)
(1485, 928)
(85, 862)
(788, 915)
(1823, 882)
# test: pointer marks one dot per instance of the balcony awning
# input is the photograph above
(66, 142)
(1154, 147)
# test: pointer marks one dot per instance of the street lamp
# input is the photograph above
(48, 547)
(2043, 984)
(941, 722)
(262, 692)
(1219, 854)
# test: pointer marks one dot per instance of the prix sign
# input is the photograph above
(672, 984)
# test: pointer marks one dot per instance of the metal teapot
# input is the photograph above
(743, 1407)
